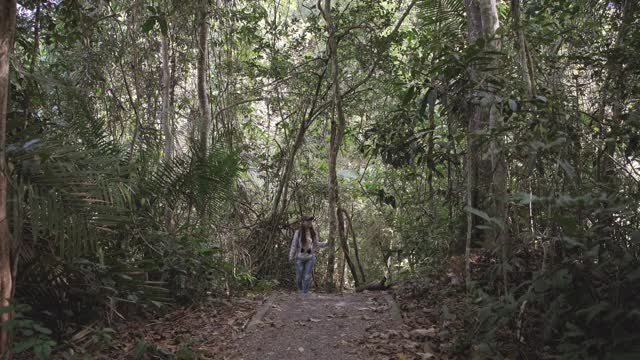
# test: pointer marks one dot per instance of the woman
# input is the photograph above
(305, 242)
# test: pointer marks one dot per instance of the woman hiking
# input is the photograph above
(303, 246)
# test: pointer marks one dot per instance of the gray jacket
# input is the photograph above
(296, 245)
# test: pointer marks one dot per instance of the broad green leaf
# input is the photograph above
(149, 24)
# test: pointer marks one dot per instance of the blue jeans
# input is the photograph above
(304, 269)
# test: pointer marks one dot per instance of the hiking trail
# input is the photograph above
(318, 326)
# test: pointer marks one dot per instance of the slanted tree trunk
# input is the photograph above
(345, 247)
(202, 75)
(306, 121)
(7, 29)
(338, 124)
(356, 252)
(525, 64)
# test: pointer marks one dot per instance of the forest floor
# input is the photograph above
(316, 326)
(427, 324)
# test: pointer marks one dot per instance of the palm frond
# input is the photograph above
(446, 18)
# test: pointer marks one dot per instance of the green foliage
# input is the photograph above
(584, 312)
(30, 336)
(193, 271)
(84, 214)
(202, 181)
(106, 224)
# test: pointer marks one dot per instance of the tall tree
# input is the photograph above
(7, 29)
(165, 119)
(486, 179)
(338, 124)
(203, 75)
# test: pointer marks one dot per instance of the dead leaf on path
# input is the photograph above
(301, 349)
(411, 345)
(426, 356)
(314, 320)
(422, 333)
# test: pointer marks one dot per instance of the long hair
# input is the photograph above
(303, 232)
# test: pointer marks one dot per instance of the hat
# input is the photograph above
(307, 218)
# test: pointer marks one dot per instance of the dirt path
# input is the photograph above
(318, 326)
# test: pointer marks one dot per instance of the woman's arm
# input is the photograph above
(294, 246)
(318, 243)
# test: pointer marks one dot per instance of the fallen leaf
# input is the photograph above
(421, 333)
(426, 356)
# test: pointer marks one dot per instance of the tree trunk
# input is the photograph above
(165, 120)
(345, 247)
(341, 266)
(356, 253)
(30, 84)
(338, 124)
(333, 204)
(473, 160)
(306, 121)
(498, 189)
(525, 65)
(203, 74)
(484, 116)
(471, 176)
(7, 29)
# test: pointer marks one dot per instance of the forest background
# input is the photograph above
(156, 153)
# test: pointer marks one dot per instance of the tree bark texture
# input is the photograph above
(525, 65)
(165, 119)
(487, 180)
(7, 31)
(338, 124)
(356, 252)
(345, 248)
(202, 76)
